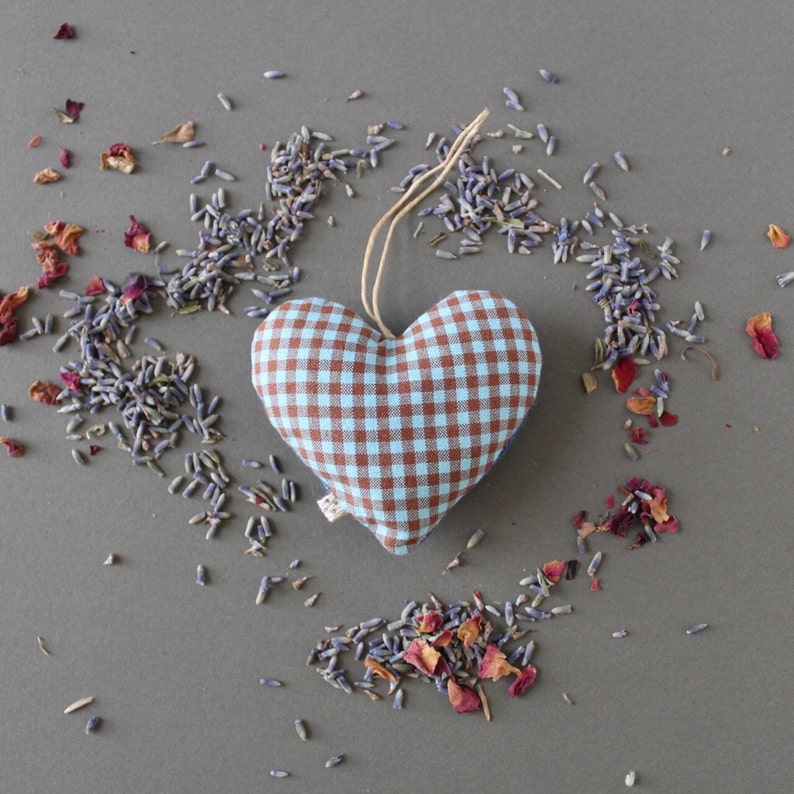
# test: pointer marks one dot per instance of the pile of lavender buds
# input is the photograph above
(483, 198)
(231, 246)
(386, 642)
(154, 395)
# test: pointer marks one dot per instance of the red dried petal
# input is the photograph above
(64, 157)
(578, 519)
(137, 236)
(594, 585)
(623, 374)
(609, 501)
(42, 392)
(462, 698)
(554, 570)
(638, 436)
(95, 286)
(8, 331)
(666, 419)
(669, 525)
(494, 664)
(73, 108)
(759, 328)
(430, 622)
(65, 31)
(93, 449)
(50, 274)
(133, 287)
(523, 681)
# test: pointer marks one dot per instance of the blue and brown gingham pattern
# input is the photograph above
(398, 429)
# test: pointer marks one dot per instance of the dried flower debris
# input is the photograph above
(137, 236)
(182, 133)
(759, 329)
(65, 31)
(777, 236)
(71, 113)
(119, 158)
(643, 504)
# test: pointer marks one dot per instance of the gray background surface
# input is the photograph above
(175, 667)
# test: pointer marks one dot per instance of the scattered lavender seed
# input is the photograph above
(630, 778)
(621, 161)
(279, 773)
(6, 412)
(476, 537)
(79, 704)
(548, 76)
(696, 628)
(784, 279)
(619, 634)
(224, 100)
(270, 682)
(704, 239)
(357, 94)
(78, 457)
(111, 559)
(201, 575)
(93, 724)
(334, 760)
(300, 729)
(311, 600)
(225, 175)
(273, 74)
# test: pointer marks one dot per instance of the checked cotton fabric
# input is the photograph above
(398, 429)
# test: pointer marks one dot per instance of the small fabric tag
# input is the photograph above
(331, 509)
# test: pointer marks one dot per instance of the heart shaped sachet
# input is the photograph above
(398, 429)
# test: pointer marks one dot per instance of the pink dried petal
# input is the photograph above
(13, 448)
(8, 331)
(494, 664)
(430, 622)
(70, 379)
(64, 157)
(462, 698)
(50, 273)
(137, 236)
(95, 286)
(759, 328)
(133, 287)
(422, 656)
(523, 681)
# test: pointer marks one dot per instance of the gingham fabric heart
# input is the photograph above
(398, 429)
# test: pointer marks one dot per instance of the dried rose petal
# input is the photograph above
(70, 379)
(759, 328)
(494, 664)
(13, 448)
(641, 405)
(137, 236)
(430, 622)
(95, 286)
(34, 141)
(638, 436)
(73, 108)
(93, 449)
(668, 525)
(523, 681)
(118, 158)
(182, 133)
(65, 31)
(469, 630)
(379, 670)
(777, 236)
(462, 698)
(442, 639)
(554, 570)
(666, 419)
(8, 331)
(65, 235)
(11, 302)
(46, 253)
(51, 273)
(45, 176)
(422, 656)
(42, 392)
(64, 157)
(623, 374)
(133, 287)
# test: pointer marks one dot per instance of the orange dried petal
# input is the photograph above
(469, 629)
(777, 236)
(641, 405)
(379, 670)
(42, 392)
(759, 328)
(11, 302)
(65, 235)
(182, 133)
(422, 656)
(462, 698)
(494, 664)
